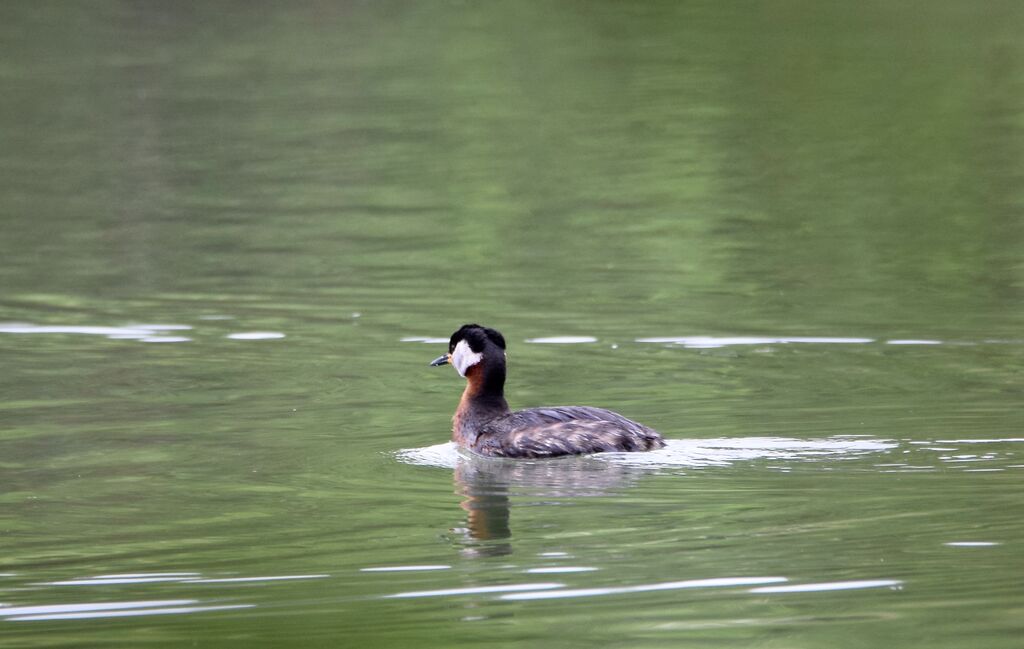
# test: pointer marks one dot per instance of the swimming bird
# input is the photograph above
(483, 422)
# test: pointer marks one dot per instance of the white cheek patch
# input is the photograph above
(464, 358)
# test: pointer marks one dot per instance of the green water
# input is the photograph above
(226, 227)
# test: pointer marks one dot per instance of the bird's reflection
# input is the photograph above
(489, 487)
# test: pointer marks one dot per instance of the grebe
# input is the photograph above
(484, 424)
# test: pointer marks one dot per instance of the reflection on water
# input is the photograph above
(486, 485)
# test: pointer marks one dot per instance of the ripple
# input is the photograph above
(913, 342)
(256, 335)
(162, 327)
(562, 340)
(106, 581)
(475, 590)
(18, 328)
(89, 610)
(711, 342)
(828, 586)
(405, 568)
(241, 580)
(719, 582)
(179, 577)
(149, 333)
(8, 611)
(979, 441)
(987, 457)
(559, 569)
(546, 340)
(971, 544)
(134, 575)
(173, 610)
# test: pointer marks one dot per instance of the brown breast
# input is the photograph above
(474, 382)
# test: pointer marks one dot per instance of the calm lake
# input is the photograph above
(787, 235)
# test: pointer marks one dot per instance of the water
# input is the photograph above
(789, 237)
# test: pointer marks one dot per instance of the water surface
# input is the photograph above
(789, 237)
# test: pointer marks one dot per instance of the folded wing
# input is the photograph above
(569, 430)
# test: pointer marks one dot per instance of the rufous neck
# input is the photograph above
(482, 401)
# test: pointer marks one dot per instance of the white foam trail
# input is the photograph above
(723, 451)
(442, 456)
(728, 451)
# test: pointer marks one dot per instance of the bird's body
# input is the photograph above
(484, 423)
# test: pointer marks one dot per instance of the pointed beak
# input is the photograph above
(441, 360)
